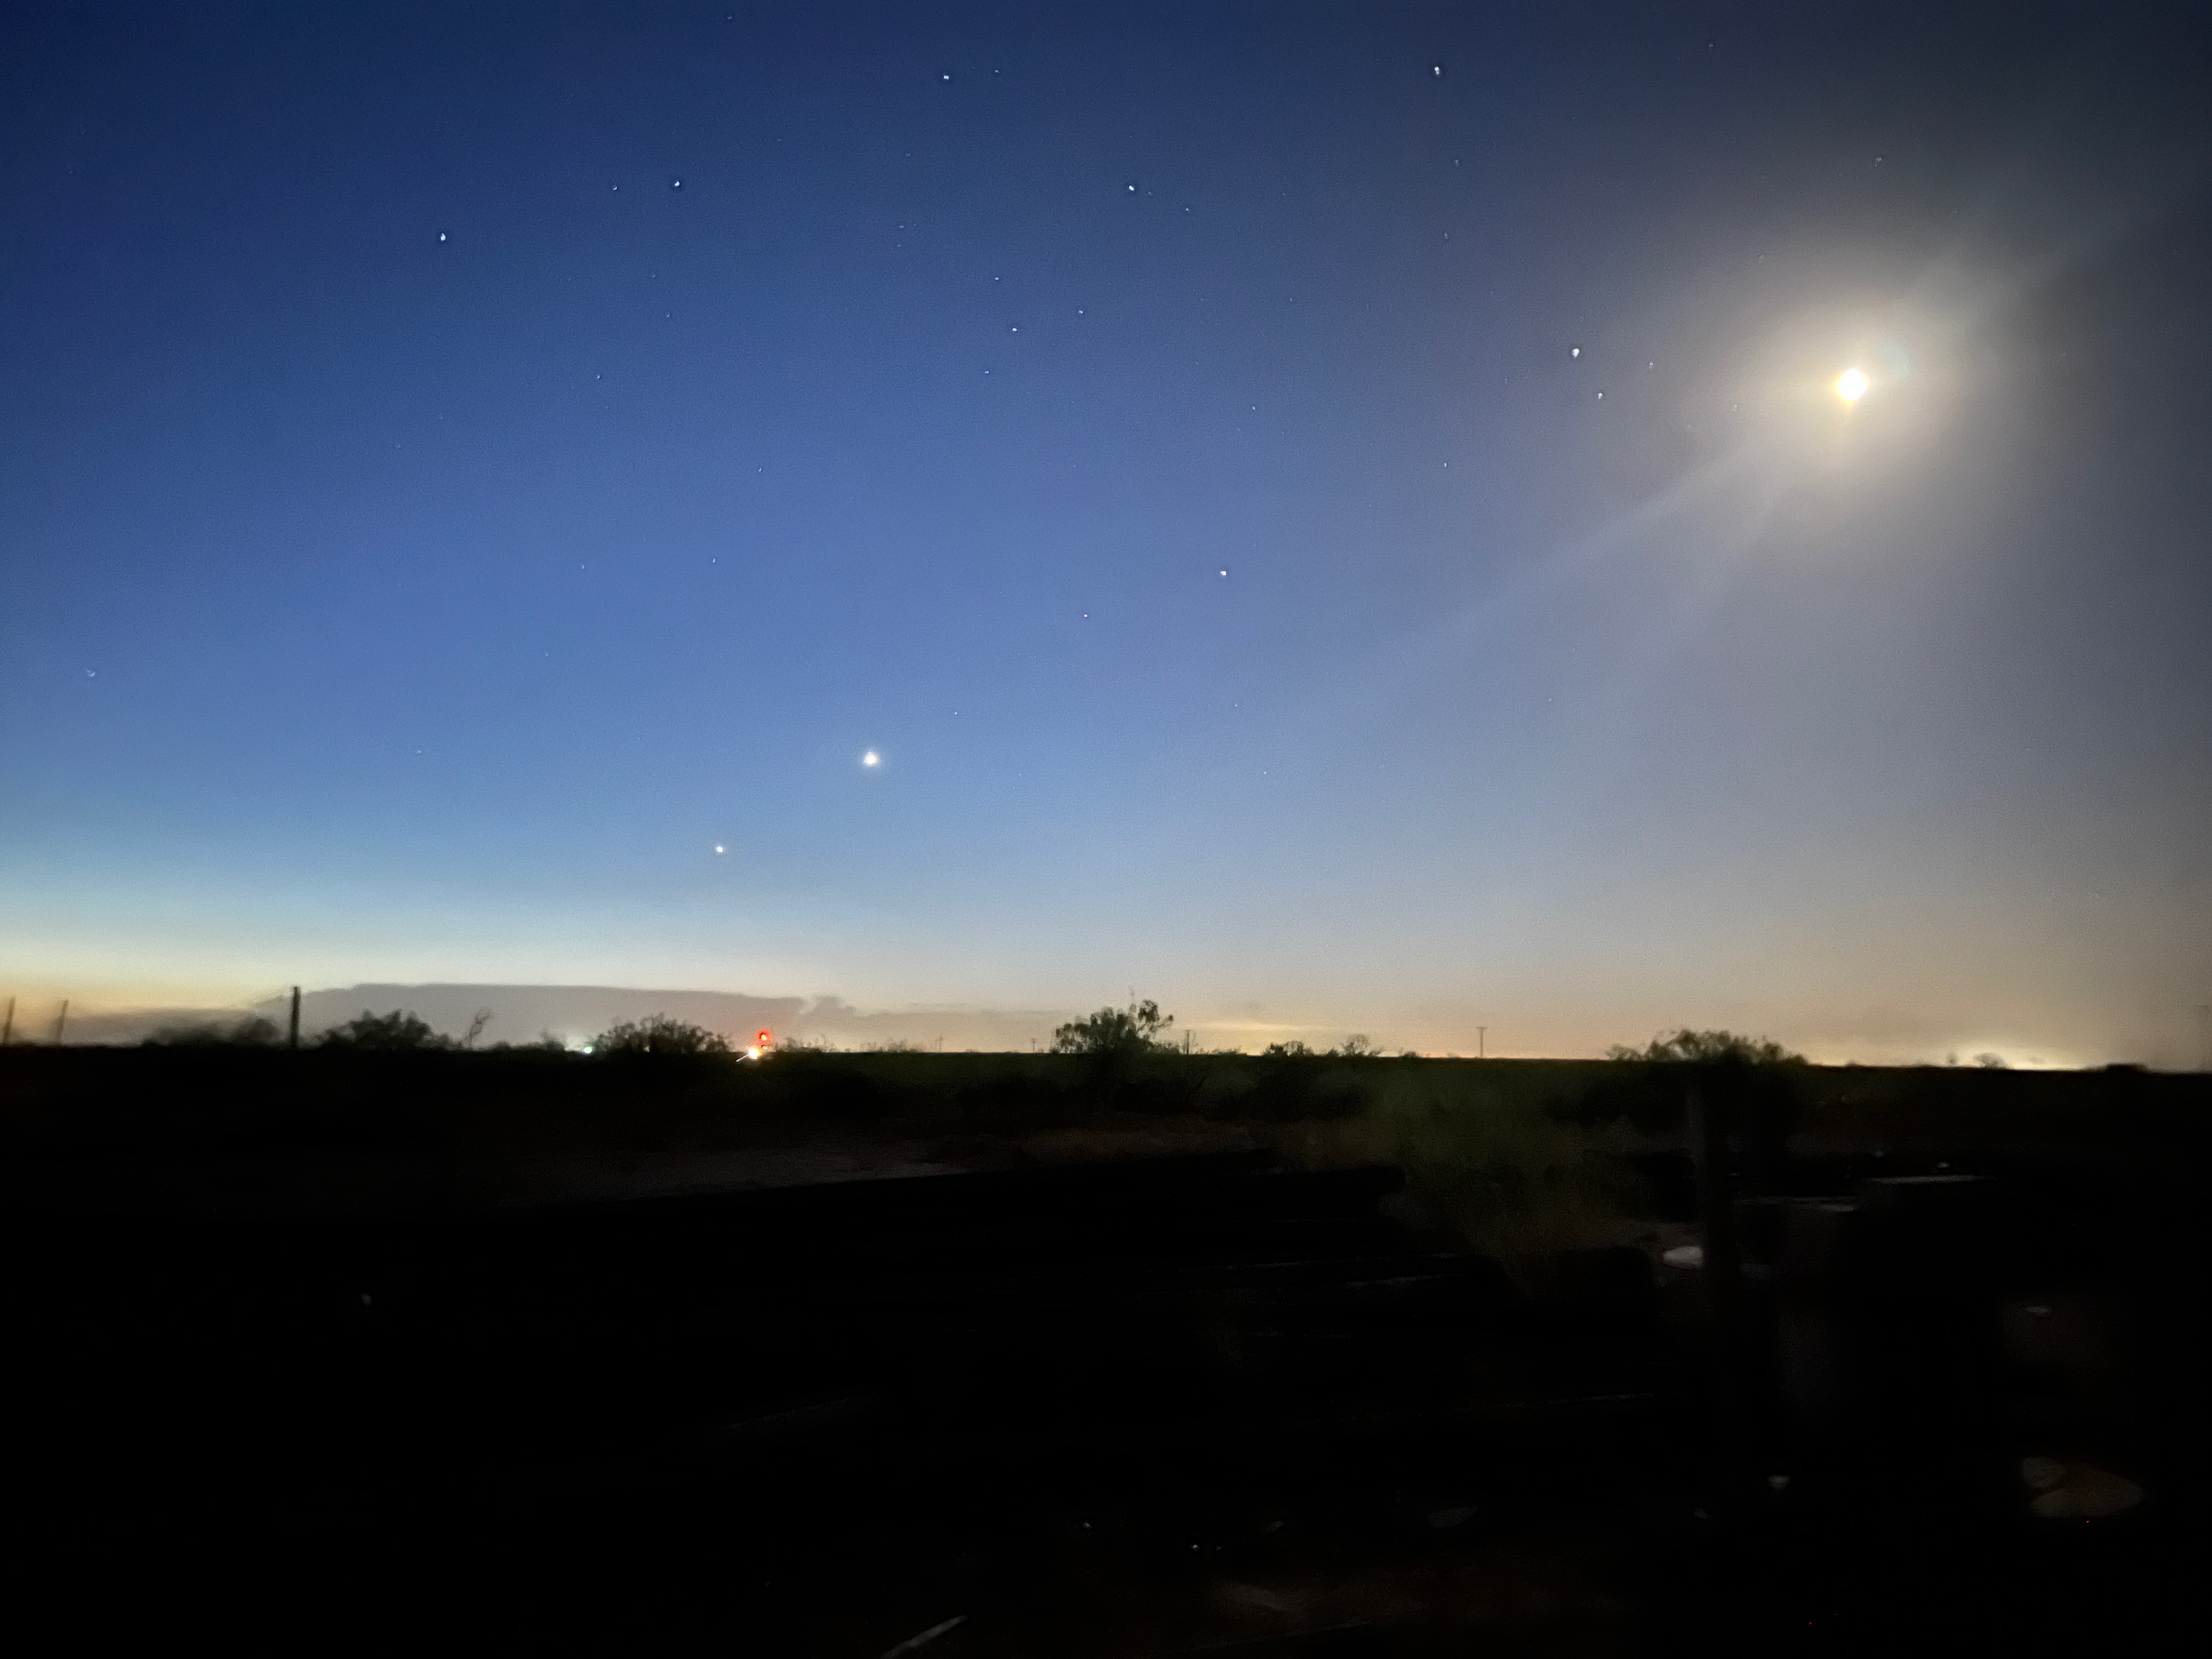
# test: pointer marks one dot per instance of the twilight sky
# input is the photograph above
(1338, 518)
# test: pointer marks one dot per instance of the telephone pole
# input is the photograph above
(1482, 1042)
(61, 1022)
(293, 1041)
(8, 1030)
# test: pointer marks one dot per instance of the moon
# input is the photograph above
(1852, 385)
(872, 759)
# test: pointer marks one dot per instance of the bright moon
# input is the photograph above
(1851, 386)
(871, 758)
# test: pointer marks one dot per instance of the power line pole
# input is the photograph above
(61, 1022)
(1482, 1042)
(293, 1040)
(8, 1030)
(2203, 1036)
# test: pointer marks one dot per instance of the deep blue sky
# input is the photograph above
(459, 466)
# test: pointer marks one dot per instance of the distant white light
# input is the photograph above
(1574, 351)
(872, 759)
(719, 848)
(441, 235)
(1851, 384)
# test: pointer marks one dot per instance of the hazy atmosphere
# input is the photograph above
(1499, 526)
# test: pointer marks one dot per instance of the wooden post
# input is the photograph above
(293, 1041)
(61, 1022)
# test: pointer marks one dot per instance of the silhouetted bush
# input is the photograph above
(251, 1032)
(659, 1035)
(1128, 1031)
(397, 1031)
(1707, 1049)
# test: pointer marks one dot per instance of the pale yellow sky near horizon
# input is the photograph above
(1516, 1025)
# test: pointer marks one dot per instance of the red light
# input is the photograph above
(761, 1040)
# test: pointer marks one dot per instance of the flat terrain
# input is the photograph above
(1372, 1357)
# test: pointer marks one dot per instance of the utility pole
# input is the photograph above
(61, 1022)
(8, 1031)
(1482, 1042)
(293, 1040)
(2203, 1036)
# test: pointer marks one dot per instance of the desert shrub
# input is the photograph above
(251, 1032)
(659, 1035)
(1708, 1049)
(397, 1031)
(1128, 1031)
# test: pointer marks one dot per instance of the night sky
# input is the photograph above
(1337, 518)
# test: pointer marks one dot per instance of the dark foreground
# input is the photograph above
(1202, 1404)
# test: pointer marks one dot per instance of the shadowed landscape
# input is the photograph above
(1126, 1352)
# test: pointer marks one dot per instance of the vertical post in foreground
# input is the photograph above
(293, 1040)
(8, 1030)
(61, 1022)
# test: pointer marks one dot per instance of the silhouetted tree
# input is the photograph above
(1708, 1047)
(1134, 1029)
(657, 1033)
(396, 1031)
(251, 1032)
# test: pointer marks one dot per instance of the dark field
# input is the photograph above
(1202, 1354)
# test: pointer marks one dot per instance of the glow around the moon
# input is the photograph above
(872, 759)
(1851, 384)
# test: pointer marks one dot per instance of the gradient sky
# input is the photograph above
(1337, 518)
